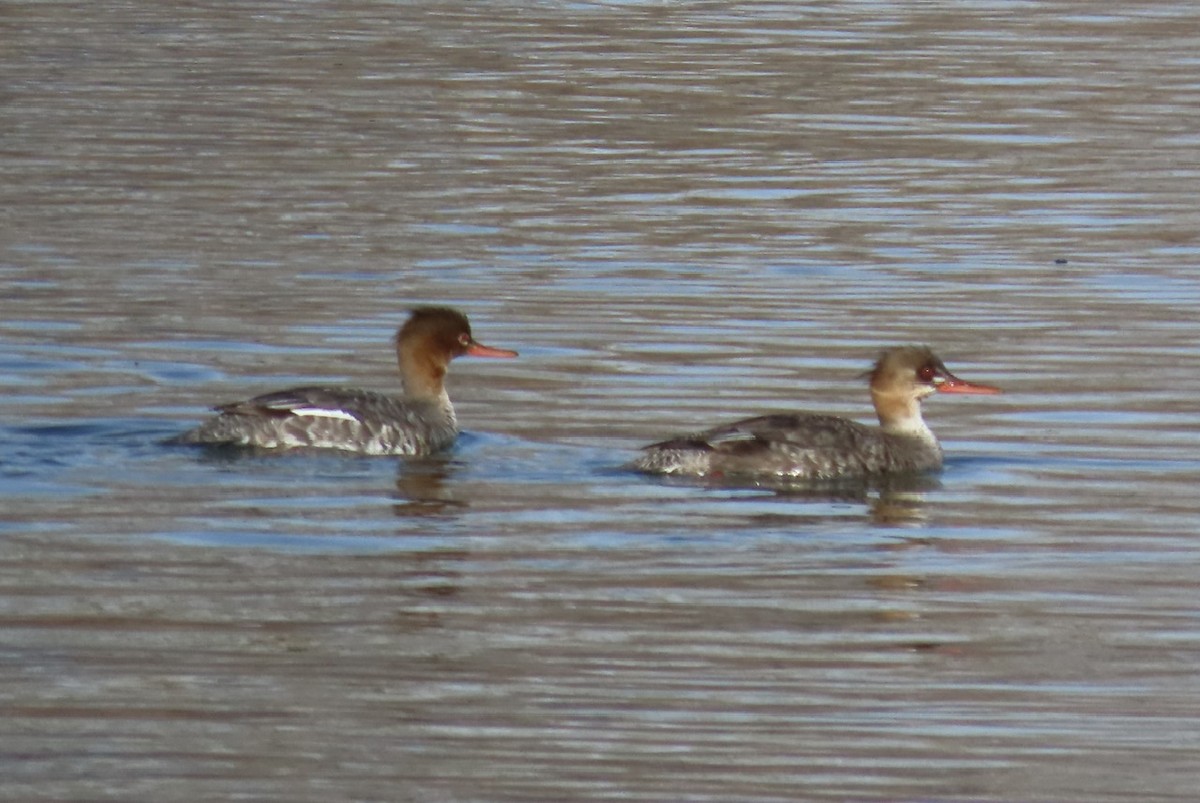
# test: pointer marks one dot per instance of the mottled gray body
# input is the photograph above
(331, 418)
(799, 446)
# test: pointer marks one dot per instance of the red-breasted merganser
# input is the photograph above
(823, 447)
(418, 423)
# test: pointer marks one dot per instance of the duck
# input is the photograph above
(807, 447)
(419, 422)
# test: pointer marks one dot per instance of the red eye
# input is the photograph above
(927, 373)
(464, 339)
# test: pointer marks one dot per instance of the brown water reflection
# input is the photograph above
(889, 500)
(423, 489)
(678, 213)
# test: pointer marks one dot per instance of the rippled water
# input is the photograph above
(679, 213)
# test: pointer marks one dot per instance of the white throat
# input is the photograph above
(912, 425)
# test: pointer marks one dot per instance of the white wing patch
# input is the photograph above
(732, 436)
(322, 412)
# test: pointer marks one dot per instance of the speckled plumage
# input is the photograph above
(361, 421)
(809, 447)
(331, 418)
(797, 446)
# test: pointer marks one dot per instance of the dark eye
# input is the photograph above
(927, 373)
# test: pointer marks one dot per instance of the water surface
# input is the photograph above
(679, 213)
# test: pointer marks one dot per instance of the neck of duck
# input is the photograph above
(423, 378)
(900, 414)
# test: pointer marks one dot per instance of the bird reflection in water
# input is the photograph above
(422, 490)
(901, 500)
(896, 500)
